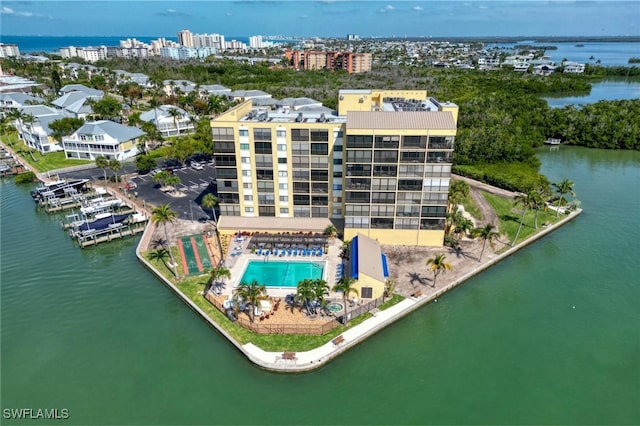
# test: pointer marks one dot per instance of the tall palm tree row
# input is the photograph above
(438, 264)
(163, 214)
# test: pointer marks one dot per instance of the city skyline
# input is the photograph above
(329, 18)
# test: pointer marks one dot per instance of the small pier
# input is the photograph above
(553, 141)
(130, 229)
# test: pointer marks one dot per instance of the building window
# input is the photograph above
(222, 133)
(248, 197)
(337, 187)
(337, 148)
(245, 160)
(247, 185)
(248, 209)
(282, 147)
(284, 210)
(366, 292)
(281, 133)
(262, 134)
(283, 186)
(359, 141)
(282, 160)
(282, 173)
(319, 135)
(244, 146)
(319, 148)
(299, 135)
(244, 132)
(246, 173)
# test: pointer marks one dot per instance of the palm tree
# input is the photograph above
(462, 227)
(305, 293)
(175, 113)
(458, 190)
(537, 203)
(210, 201)
(164, 214)
(346, 287)
(251, 294)
(160, 255)
(563, 187)
(389, 288)
(330, 231)
(487, 233)
(102, 163)
(216, 273)
(320, 291)
(17, 115)
(153, 103)
(161, 177)
(438, 264)
(521, 199)
(115, 165)
(173, 181)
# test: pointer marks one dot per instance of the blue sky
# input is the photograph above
(321, 18)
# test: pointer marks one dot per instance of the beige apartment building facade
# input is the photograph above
(379, 166)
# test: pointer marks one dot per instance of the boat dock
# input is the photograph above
(110, 233)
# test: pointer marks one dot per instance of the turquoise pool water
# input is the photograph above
(279, 273)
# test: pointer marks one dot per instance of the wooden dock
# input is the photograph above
(111, 234)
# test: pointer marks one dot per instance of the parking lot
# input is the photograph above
(195, 184)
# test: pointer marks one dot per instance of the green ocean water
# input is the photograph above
(548, 336)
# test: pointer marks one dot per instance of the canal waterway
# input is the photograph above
(549, 335)
(606, 90)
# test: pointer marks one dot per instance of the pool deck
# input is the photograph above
(236, 265)
(315, 358)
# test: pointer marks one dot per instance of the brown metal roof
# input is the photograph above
(370, 258)
(437, 120)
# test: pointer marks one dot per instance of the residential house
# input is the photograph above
(102, 138)
(169, 123)
(12, 100)
(36, 132)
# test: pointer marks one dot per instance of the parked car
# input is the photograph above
(131, 185)
(196, 166)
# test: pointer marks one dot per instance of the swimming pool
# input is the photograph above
(281, 273)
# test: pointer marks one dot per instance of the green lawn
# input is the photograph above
(41, 162)
(471, 207)
(510, 218)
(192, 287)
(395, 299)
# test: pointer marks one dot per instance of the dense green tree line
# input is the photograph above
(605, 124)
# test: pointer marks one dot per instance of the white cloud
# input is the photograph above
(8, 11)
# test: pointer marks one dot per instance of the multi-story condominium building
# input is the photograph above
(8, 50)
(89, 54)
(379, 166)
(215, 41)
(102, 138)
(185, 38)
(319, 60)
(169, 120)
(186, 52)
(355, 63)
(255, 42)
